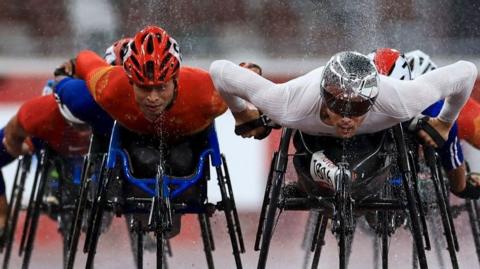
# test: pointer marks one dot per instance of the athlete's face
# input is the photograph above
(152, 101)
(345, 126)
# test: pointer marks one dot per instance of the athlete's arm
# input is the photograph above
(38, 117)
(14, 139)
(286, 104)
(87, 63)
(407, 99)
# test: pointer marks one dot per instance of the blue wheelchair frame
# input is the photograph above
(160, 189)
(149, 185)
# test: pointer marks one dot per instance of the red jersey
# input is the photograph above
(469, 123)
(195, 107)
(41, 118)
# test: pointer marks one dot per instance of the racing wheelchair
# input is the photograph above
(13, 210)
(390, 193)
(472, 209)
(55, 185)
(154, 203)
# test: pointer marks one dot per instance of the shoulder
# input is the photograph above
(196, 87)
(195, 81)
(109, 82)
(86, 62)
(41, 103)
(38, 111)
(188, 73)
(308, 80)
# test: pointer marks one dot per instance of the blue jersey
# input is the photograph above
(77, 105)
(451, 153)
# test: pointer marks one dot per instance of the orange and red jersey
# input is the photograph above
(41, 118)
(195, 106)
(469, 123)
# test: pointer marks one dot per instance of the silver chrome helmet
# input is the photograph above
(349, 84)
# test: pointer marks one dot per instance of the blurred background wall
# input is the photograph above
(276, 28)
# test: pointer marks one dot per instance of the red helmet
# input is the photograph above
(152, 58)
(115, 53)
(392, 63)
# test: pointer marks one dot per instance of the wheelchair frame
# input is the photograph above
(343, 206)
(159, 206)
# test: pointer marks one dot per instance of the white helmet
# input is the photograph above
(419, 62)
(392, 63)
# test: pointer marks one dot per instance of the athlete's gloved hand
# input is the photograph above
(249, 114)
(67, 69)
(17, 149)
(252, 66)
(246, 122)
(440, 127)
(15, 139)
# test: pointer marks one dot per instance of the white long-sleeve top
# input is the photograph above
(296, 103)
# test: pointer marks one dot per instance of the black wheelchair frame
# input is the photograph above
(341, 207)
(472, 208)
(14, 207)
(47, 160)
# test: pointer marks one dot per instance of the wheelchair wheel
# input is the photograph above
(161, 261)
(278, 174)
(319, 237)
(80, 205)
(232, 208)
(384, 217)
(35, 209)
(66, 222)
(230, 212)
(206, 234)
(473, 216)
(96, 216)
(14, 207)
(416, 192)
(412, 204)
(447, 220)
(271, 216)
(343, 217)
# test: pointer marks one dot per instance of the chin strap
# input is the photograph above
(262, 121)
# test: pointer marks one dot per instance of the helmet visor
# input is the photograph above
(347, 106)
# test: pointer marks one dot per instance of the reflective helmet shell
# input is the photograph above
(348, 85)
